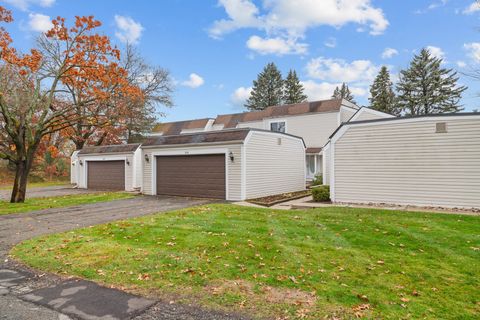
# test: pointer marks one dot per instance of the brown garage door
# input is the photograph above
(106, 175)
(193, 176)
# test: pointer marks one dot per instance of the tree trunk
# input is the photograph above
(20, 184)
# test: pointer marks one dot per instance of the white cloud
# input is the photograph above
(461, 64)
(129, 31)
(295, 17)
(287, 21)
(276, 46)
(432, 6)
(25, 4)
(339, 70)
(331, 42)
(472, 8)
(39, 22)
(436, 52)
(194, 81)
(240, 96)
(389, 53)
(473, 50)
(324, 90)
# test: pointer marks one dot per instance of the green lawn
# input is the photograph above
(37, 184)
(330, 262)
(33, 204)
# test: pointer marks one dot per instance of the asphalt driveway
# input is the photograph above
(25, 294)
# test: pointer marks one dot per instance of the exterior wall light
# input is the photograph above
(147, 159)
(127, 162)
(81, 162)
(230, 155)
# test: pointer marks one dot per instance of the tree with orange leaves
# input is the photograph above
(34, 87)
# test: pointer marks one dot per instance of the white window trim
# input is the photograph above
(187, 152)
(276, 121)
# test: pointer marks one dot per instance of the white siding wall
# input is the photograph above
(234, 168)
(314, 128)
(253, 124)
(326, 164)
(406, 162)
(272, 168)
(346, 114)
(366, 115)
(137, 163)
(74, 167)
(129, 175)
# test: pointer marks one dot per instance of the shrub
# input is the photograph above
(321, 193)
(318, 180)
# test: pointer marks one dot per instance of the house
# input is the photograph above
(429, 160)
(116, 167)
(233, 156)
(230, 164)
(312, 121)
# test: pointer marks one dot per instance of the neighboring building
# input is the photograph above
(429, 160)
(116, 167)
(313, 121)
(231, 164)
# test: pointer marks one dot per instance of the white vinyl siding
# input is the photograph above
(129, 169)
(234, 175)
(252, 124)
(326, 158)
(273, 168)
(407, 162)
(314, 128)
(346, 114)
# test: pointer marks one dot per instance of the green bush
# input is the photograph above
(318, 180)
(321, 193)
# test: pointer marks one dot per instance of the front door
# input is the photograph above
(311, 166)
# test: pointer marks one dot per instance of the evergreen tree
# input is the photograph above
(267, 89)
(343, 93)
(382, 97)
(293, 91)
(426, 88)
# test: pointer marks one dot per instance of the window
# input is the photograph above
(277, 126)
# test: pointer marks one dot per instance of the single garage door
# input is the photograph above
(106, 175)
(200, 176)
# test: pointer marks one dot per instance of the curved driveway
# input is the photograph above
(24, 295)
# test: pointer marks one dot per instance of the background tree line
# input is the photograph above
(73, 86)
(425, 87)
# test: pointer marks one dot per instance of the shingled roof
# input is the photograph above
(172, 128)
(199, 137)
(231, 120)
(120, 148)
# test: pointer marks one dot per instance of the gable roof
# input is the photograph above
(172, 128)
(199, 137)
(229, 135)
(120, 148)
(231, 120)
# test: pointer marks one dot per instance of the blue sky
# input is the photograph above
(215, 48)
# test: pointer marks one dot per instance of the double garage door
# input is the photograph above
(106, 175)
(200, 176)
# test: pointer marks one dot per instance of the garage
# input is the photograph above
(106, 175)
(192, 176)
(233, 164)
(428, 161)
(114, 167)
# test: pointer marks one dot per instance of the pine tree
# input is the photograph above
(267, 89)
(382, 97)
(343, 93)
(293, 90)
(426, 88)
